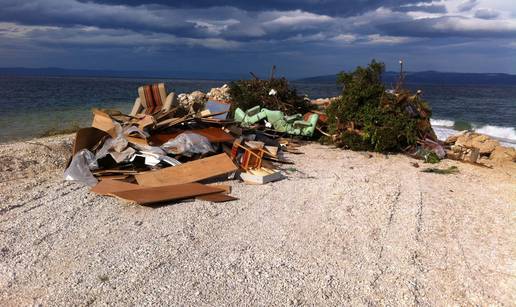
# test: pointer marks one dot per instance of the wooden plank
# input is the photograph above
(114, 177)
(213, 134)
(217, 197)
(188, 172)
(110, 186)
(148, 195)
(225, 187)
(116, 187)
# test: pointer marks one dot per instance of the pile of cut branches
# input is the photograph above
(367, 117)
(273, 94)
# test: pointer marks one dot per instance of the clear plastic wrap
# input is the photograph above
(188, 144)
(80, 168)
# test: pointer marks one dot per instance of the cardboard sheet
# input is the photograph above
(86, 138)
(188, 172)
(103, 121)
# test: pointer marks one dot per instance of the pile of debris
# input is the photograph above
(173, 147)
(219, 93)
(272, 94)
(478, 148)
(323, 103)
(369, 117)
(165, 151)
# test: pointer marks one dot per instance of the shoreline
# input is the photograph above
(442, 131)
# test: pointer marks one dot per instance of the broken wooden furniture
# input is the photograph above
(250, 157)
(153, 99)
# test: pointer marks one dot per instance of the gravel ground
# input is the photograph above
(345, 228)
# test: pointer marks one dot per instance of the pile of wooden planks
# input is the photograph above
(173, 183)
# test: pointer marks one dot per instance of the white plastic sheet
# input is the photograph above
(80, 168)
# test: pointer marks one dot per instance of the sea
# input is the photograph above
(35, 106)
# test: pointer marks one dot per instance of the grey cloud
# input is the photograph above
(326, 7)
(486, 14)
(451, 27)
(467, 5)
(428, 8)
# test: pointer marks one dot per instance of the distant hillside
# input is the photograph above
(429, 77)
(434, 77)
(62, 72)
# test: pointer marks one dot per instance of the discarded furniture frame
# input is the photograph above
(153, 99)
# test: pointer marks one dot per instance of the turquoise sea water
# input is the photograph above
(32, 105)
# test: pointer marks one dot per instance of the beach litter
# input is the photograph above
(174, 147)
(170, 149)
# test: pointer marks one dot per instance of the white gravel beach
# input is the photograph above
(344, 228)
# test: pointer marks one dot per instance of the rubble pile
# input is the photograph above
(323, 103)
(192, 102)
(478, 148)
(219, 93)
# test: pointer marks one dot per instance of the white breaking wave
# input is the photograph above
(443, 133)
(442, 122)
(506, 135)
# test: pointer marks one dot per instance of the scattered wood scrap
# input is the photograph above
(188, 172)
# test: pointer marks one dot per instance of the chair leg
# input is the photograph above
(137, 108)
(170, 102)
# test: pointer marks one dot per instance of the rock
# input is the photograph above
(503, 154)
(474, 140)
(219, 93)
(453, 138)
(472, 155)
(323, 102)
(451, 154)
(475, 147)
(192, 102)
(485, 144)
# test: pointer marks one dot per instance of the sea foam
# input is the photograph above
(506, 135)
(442, 122)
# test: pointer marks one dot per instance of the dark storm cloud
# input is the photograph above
(327, 7)
(487, 14)
(428, 8)
(296, 32)
(451, 27)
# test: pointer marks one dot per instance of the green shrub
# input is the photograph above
(246, 94)
(366, 117)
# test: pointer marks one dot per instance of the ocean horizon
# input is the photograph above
(34, 105)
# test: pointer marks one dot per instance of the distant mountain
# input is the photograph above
(434, 77)
(62, 72)
(429, 77)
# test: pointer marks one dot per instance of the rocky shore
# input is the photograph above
(344, 228)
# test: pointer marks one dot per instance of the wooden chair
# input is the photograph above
(153, 99)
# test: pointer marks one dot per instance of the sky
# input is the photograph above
(302, 38)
